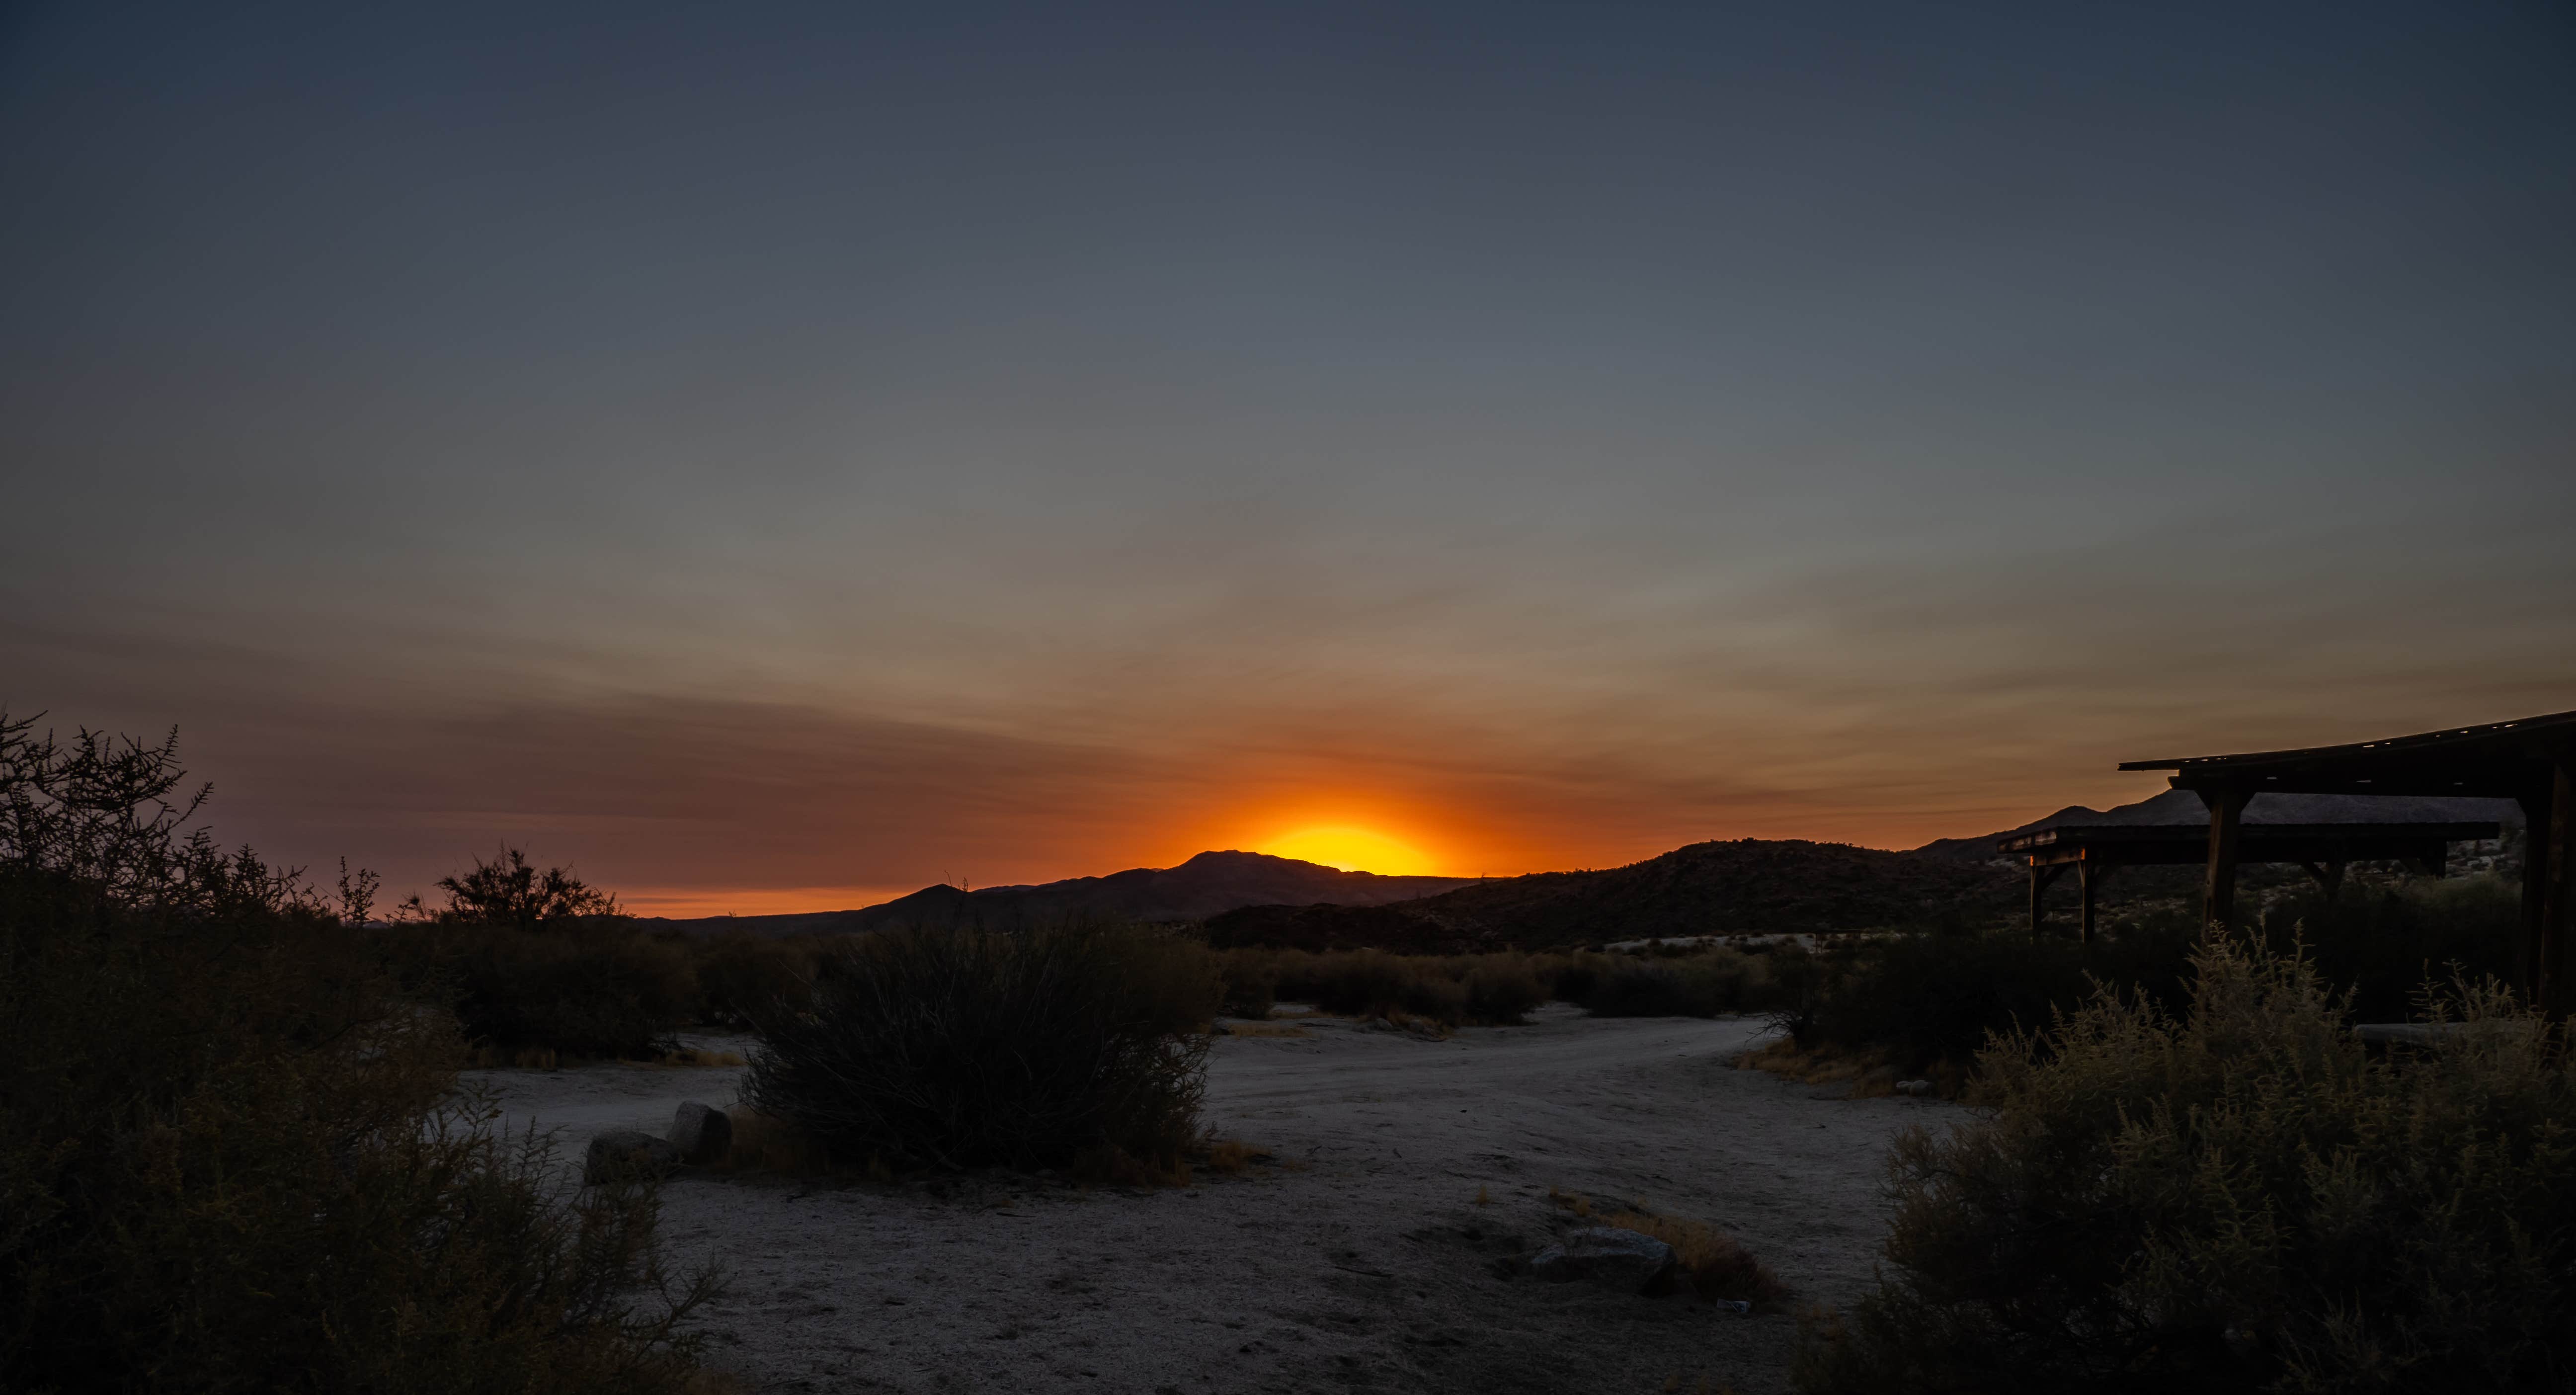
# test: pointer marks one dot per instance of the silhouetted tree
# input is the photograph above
(508, 890)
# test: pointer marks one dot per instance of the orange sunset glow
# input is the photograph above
(1352, 849)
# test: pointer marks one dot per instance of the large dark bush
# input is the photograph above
(231, 1159)
(1072, 1044)
(2238, 1198)
(535, 958)
(743, 977)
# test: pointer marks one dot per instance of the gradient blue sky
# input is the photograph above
(771, 455)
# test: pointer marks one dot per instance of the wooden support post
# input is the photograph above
(2041, 878)
(2557, 847)
(2535, 874)
(2092, 874)
(2218, 889)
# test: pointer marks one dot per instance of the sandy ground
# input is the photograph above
(1365, 1264)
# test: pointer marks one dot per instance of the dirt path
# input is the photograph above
(1370, 1269)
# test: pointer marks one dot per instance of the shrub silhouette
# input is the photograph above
(510, 891)
(964, 1048)
(232, 1159)
(2234, 1197)
(534, 958)
(743, 977)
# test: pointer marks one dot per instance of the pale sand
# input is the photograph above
(1371, 1269)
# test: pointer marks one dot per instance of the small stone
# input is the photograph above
(627, 1154)
(700, 1135)
(1609, 1256)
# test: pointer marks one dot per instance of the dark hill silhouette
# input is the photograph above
(1748, 886)
(1206, 885)
(2184, 807)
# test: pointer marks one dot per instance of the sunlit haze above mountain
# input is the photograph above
(774, 457)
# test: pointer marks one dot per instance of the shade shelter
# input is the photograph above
(2323, 833)
(2531, 761)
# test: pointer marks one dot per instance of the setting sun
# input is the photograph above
(1352, 850)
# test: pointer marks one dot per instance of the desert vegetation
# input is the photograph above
(2234, 1194)
(1924, 1004)
(1502, 988)
(1078, 1046)
(232, 1154)
(536, 963)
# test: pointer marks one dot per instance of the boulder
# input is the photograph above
(699, 1134)
(1609, 1256)
(626, 1154)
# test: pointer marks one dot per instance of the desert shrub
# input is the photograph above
(742, 977)
(1571, 978)
(1374, 983)
(2237, 1197)
(1925, 998)
(534, 959)
(1704, 984)
(1503, 989)
(587, 989)
(971, 1047)
(231, 1159)
(2384, 939)
(1251, 982)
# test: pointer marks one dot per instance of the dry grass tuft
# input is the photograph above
(1712, 1263)
(1863, 1074)
(1716, 1266)
(1263, 1029)
(1108, 1165)
(1230, 1156)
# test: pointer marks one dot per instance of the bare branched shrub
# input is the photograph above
(2235, 1197)
(230, 1157)
(966, 1048)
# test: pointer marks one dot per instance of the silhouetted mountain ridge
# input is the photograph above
(1205, 885)
(1747, 886)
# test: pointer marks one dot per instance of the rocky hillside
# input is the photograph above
(1749, 886)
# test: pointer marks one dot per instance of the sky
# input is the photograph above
(773, 457)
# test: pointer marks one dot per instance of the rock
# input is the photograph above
(700, 1135)
(625, 1154)
(1609, 1256)
(1914, 1087)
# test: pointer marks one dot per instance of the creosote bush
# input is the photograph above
(2235, 1196)
(1077, 1045)
(231, 1158)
